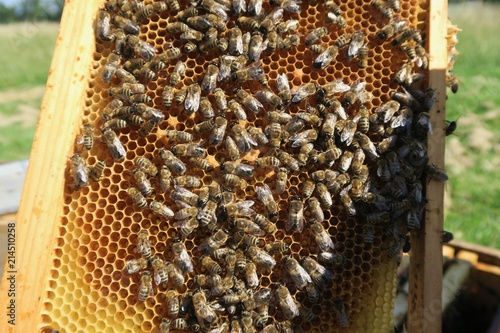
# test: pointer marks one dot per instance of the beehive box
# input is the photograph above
(70, 275)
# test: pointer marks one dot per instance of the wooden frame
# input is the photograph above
(424, 308)
(40, 205)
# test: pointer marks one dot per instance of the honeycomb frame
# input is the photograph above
(100, 304)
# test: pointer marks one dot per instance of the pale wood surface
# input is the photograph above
(40, 207)
(426, 265)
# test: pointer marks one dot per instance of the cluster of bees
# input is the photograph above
(370, 161)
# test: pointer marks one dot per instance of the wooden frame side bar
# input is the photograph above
(40, 210)
(426, 263)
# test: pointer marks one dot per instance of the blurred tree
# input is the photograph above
(7, 14)
(40, 10)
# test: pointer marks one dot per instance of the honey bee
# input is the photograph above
(259, 136)
(232, 149)
(434, 172)
(336, 19)
(159, 271)
(234, 181)
(161, 209)
(186, 213)
(406, 34)
(391, 29)
(187, 226)
(206, 109)
(146, 286)
(110, 67)
(203, 311)
(177, 73)
(180, 324)
(215, 241)
(317, 48)
(324, 197)
(182, 259)
(239, 169)
(177, 27)
(383, 8)
(281, 178)
(289, 161)
(267, 161)
(247, 226)
(115, 147)
(244, 141)
(210, 265)
(341, 313)
(135, 265)
(315, 35)
(189, 149)
(179, 136)
(210, 79)
(187, 181)
(201, 163)
(264, 223)
(168, 96)
(319, 274)
(303, 92)
(140, 47)
(248, 23)
(173, 4)
(303, 138)
(286, 303)
(165, 177)
(315, 209)
(274, 133)
(284, 88)
(248, 100)
(137, 197)
(172, 162)
(255, 48)
(251, 275)
(235, 41)
(175, 274)
(270, 98)
(363, 56)
(144, 245)
(220, 100)
(323, 240)
(192, 101)
(172, 303)
(190, 11)
(423, 60)
(265, 195)
(343, 40)
(305, 153)
(164, 326)
(237, 109)
(326, 57)
(295, 219)
(103, 26)
(299, 276)
(238, 7)
(260, 257)
(357, 93)
(80, 171)
(142, 182)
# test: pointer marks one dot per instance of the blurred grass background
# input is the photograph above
(473, 159)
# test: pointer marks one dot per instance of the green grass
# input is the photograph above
(474, 214)
(17, 134)
(26, 53)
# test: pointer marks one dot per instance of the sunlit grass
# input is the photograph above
(26, 53)
(474, 215)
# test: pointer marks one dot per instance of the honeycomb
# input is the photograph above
(89, 290)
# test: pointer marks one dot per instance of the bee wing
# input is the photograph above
(401, 121)
(186, 263)
(239, 45)
(192, 34)
(239, 6)
(192, 102)
(324, 59)
(245, 204)
(157, 279)
(365, 96)
(292, 305)
(292, 6)
(225, 67)
(245, 169)
(347, 134)
(182, 204)
(219, 10)
(264, 193)
(338, 86)
(325, 242)
(276, 15)
(147, 51)
(255, 6)
(250, 139)
(341, 112)
(282, 82)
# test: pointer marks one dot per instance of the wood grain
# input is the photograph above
(40, 208)
(425, 308)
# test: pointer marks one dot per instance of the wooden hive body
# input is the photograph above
(73, 245)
